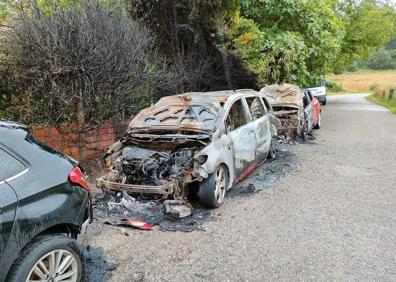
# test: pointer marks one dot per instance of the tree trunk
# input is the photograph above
(81, 119)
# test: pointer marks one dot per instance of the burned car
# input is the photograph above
(193, 141)
(298, 110)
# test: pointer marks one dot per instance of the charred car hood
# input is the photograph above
(178, 113)
(286, 95)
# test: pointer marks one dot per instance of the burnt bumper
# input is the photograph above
(322, 98)
(164, 190)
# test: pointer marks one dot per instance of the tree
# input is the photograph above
(380, 60)
(190, 35)
(369, 25)
(275, 57)
(302, 37)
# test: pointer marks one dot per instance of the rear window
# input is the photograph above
(9, 166)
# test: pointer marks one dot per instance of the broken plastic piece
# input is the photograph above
(133, 222)
(137, 223)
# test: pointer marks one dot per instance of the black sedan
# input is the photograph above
(44, 200)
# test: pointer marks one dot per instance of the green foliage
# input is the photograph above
(273, 56)
(368, 26)
(333, 87)
(380, 60)
(302, 38)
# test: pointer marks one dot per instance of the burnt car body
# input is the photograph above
(298, 110)
(43, 197)
(212, 139)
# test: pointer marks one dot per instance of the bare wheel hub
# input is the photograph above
(220, 188)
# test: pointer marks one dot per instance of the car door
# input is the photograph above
(242, 135)
(315, 110)
(10, 167)
(260, 123)
(308, 110)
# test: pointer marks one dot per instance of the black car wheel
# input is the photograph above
(317, 126)
(50, 258)
(272, 150)
(212, 190)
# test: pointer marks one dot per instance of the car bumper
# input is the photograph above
(322, 98)
(164, 190)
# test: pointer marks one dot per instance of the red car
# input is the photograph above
(312, 109)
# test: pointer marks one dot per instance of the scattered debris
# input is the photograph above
(124, 232)
(150, 211)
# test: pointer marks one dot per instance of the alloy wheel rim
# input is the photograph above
(55, 266)
(220, 188)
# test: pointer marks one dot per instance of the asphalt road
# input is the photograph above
(331, 216)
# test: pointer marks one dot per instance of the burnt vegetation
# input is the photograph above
(87, 64)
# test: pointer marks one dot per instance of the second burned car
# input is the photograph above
(298, 110)
(205, 141)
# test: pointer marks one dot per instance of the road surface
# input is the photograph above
(331, 216)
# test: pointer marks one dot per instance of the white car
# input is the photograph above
(320, 93)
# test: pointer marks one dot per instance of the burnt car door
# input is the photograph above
(261, 126)
(10, 167)
(242, 134)
(308, 110)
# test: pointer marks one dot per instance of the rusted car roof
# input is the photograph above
(283, 95)
(195, 111)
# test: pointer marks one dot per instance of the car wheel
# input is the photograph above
(49, 258)
(212, 190)
(324, 102)
(303, 132)
(272, 150)
(317, 126)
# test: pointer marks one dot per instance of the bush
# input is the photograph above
(380, 60)
(84, 64)
(333, 86)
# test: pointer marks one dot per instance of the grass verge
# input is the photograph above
(390, 104)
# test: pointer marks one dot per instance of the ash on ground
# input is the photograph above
(112, 206)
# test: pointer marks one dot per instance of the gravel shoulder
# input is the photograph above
(329, 216)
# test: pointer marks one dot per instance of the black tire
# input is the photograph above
(272, 150)
(40, 247)
(324, 102)
(207, 189)
(318, 125)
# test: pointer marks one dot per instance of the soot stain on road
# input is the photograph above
(265, 176)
